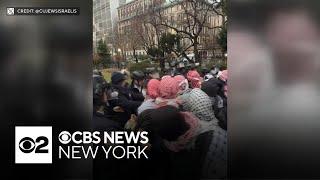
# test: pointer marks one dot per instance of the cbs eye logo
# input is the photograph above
(64, 137)
(33, 144)
(27, 144)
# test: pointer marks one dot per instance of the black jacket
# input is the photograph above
(101, 122)
(136, 93)
(126, 102)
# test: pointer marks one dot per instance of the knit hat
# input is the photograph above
(117, 77)
(168, 88)
(199, 103)
(194, 78)
(153, 88)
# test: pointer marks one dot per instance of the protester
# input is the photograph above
(180, 132)
(152, 94)
(183, 84)
(194, 78)
(224, 77)
(214, 88)
(168, 91)
(186, 125)
(199, 103)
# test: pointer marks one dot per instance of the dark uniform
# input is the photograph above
(136, 92)
(121, 103)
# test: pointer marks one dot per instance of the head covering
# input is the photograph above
(182, 83)
(165, 76)
(186, 138)
(117, 77)
(194, 78)
(166, 122)
(199, 103)
(153, 88)
(211, 87)
(219, 74)
(179, 78)
(168, 88)
(224, 75)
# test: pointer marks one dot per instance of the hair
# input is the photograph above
(166, 121)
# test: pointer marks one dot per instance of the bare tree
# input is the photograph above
(191, 21)
(118, 41)
(134, 32)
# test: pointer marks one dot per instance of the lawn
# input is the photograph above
(107, 74)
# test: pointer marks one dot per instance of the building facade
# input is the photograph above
(132, 13)
(105, 17)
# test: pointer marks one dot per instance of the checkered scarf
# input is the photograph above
(186, 138)
(183, 83)
(199, 103)
(168, 88)
(194, 78)
(153, 88)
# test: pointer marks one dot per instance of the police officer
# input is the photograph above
(120, 99)
(215, 70)
(138, 93)
(104, 121)
(101, 118)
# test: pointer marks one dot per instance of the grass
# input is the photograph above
(107, 74)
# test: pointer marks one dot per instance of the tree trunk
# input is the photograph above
(196, 52)
(135, 55)
(162, 64)
(123, 57)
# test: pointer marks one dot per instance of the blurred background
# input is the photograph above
(274, 86)
(45, 75)
(274, 119)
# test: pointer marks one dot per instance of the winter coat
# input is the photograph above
(136, 94)
(124, 100)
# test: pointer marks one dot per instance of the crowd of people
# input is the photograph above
(185, 115)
